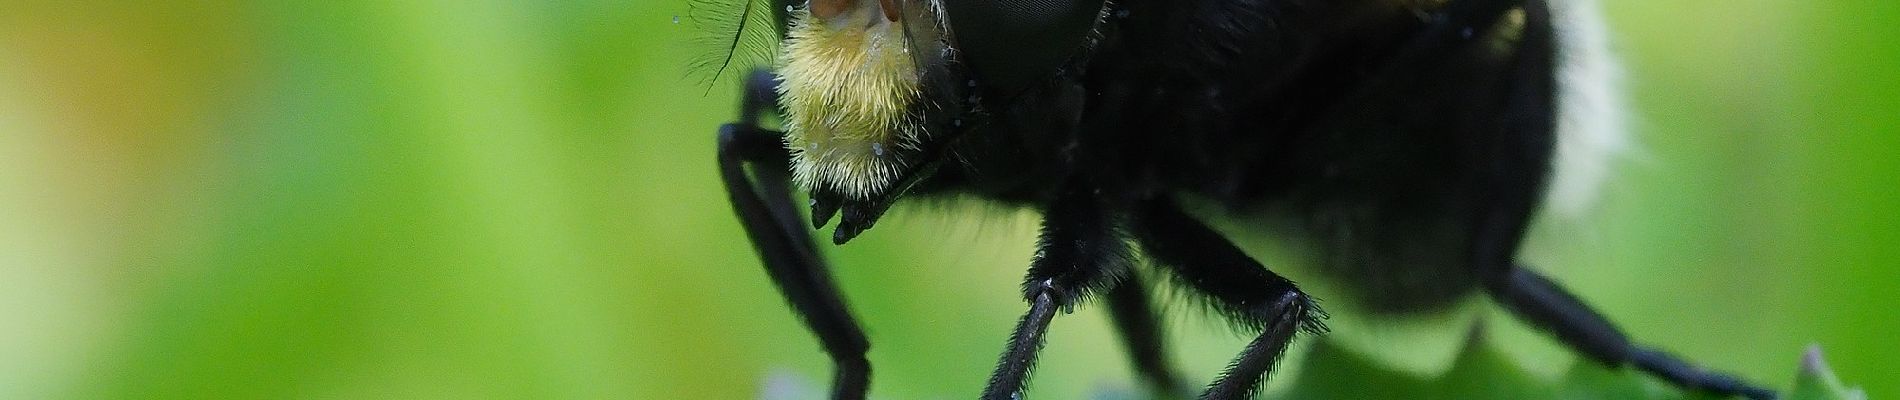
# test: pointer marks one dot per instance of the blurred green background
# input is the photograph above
(482, 199)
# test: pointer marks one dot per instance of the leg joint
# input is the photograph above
(1297, 307)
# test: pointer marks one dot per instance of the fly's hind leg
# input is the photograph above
(1503, 212)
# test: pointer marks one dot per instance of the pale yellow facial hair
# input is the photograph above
(847, 87)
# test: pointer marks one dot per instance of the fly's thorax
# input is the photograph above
(851, 80)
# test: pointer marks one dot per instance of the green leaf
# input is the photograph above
(1817, 381)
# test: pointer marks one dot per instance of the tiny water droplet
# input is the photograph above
(970, 83)
(788, 8)
(1466, 33)
(877, 149)
(676, 19)
(812, 147)
(1121, 13)
(956, 123)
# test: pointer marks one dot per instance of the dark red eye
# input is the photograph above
(826, 9)
(890, 9)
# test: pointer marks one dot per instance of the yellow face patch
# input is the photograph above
(847, 86)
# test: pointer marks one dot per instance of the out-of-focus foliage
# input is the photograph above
(1480, 373)
(489, 199)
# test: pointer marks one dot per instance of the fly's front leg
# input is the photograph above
(1081, 251)
(763, 202)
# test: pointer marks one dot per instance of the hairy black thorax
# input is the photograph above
(1271, 109)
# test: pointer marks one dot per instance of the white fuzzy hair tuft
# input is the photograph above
(1592, 131)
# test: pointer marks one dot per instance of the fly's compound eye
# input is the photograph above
(1010, 45)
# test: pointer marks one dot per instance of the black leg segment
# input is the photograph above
(1551, 308)
(1240, 287)
(1522, 148)
(779, 236)
(1081, 251)
(1141, 332)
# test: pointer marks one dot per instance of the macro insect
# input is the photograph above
(1405, 145)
